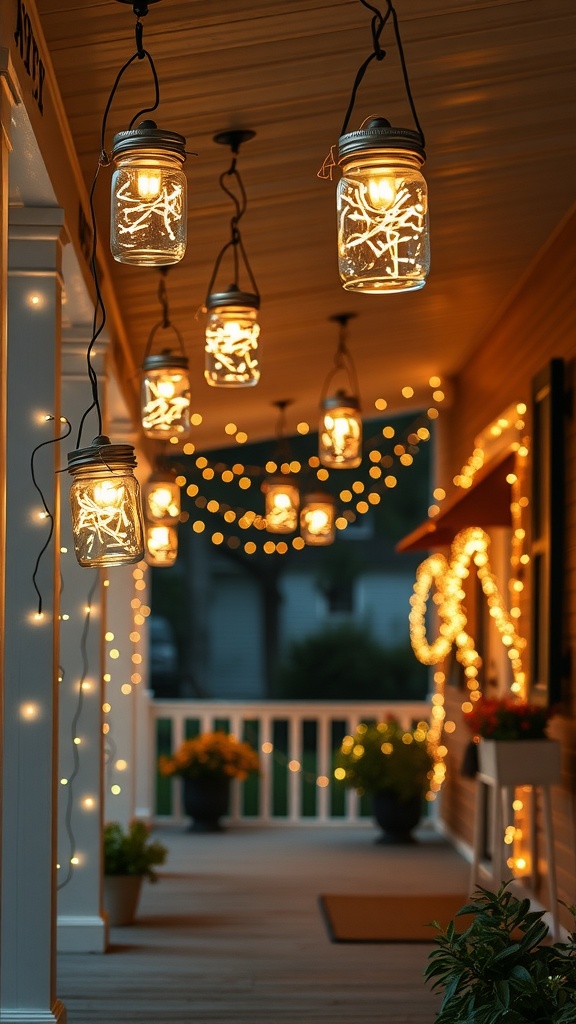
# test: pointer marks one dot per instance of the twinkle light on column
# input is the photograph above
(232, 328)
(382, 202)
(165, 390)
(317, 519)
(105, 504)
(340, 429)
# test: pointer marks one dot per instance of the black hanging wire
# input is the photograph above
(240, 202)
(343, 362)
(377, 25)
(165, 323)
(73, 734)
(99, 319)
(48, 514)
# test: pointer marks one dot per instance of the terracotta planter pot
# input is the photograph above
(519, 762)
(121, 897)
(205, 802)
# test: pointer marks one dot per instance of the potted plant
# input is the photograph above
(393, 764)
(129, 857)
(207, 764)
(501, 967)
(512, 743)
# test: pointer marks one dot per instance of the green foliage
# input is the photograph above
(131, 852)
(345, 662)
(386, 757)
(501, 969)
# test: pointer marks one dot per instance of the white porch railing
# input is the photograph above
(292, 787)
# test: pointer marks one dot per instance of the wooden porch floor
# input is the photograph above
(233, 932)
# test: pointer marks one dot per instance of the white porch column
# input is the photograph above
(127, 741)
(82, 927)
(29, 660)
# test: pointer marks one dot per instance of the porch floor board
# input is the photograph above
(233, 932)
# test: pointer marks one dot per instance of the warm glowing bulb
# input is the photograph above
(165, 388)
(148, 184)
(382, 192)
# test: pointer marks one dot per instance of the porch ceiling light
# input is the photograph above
(105, 504)
(148, 198)
(165, 390)
(282, 496)
(232, 329)
(340, 429)
(317, 519)
(161, 544)
(382, 203)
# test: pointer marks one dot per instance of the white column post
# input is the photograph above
(29, 659)
(81, 924)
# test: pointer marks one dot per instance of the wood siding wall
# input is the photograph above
(539, 324)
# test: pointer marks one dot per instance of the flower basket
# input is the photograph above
(519, 762)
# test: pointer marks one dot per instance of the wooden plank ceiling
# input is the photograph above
(494, 83)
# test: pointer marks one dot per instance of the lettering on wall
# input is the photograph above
(29, 53)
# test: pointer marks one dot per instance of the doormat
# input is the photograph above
(395, 918)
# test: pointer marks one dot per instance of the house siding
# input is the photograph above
(538, 325)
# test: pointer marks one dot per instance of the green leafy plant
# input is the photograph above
(132, 852)
(501, 968)
(386, 757)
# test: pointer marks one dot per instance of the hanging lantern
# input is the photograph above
(340, 429)
(105, 504)
(317, 519)
(161, 544)
(282, 503)
(148, 214)
(383, 243)
(165, 391)
(340, 432)
(161, 499)
(232, 328)
(232, 334)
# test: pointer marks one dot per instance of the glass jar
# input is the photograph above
(232, 332)
(162, 499)
(148, 199)
(317, 519)
(382, 205)
(161, 544)
(340, 432)
(165, 395)
(282, 503)
(105, 504)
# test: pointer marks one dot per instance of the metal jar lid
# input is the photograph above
(341, 399)
(379, 134)
(101, 454)
(233, 297)
(148, 135)
(165, 360)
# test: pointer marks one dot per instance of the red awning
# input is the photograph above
(486, 503)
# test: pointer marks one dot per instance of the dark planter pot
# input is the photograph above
(205, 802)
(396, 817)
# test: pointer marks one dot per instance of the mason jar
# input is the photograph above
(105, 504)
(148, 198)
(232, 332)
(165, 395)
(340, 432)
(282, 500)
(382, 205)
(317, 519)
(161, 544)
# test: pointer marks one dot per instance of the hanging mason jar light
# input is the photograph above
(317, 519)
(340, 428)
(162, 499)
(382, 200)
(105, 504)
(232, 328)
(165, 390)
(382, 205)
(148, 212)
(161, 544)
(282, 504)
